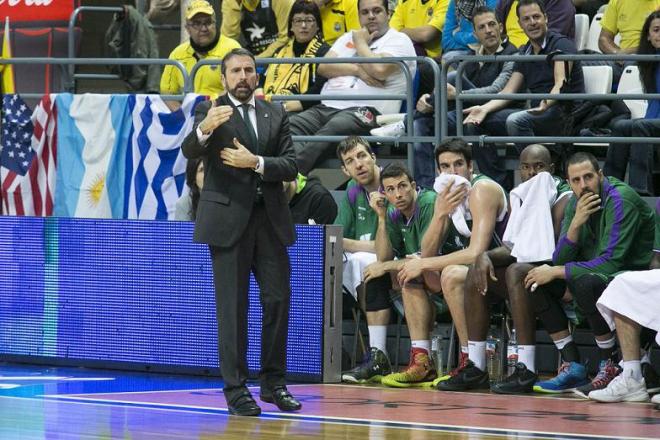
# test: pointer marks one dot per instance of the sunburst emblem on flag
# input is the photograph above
(95, 190)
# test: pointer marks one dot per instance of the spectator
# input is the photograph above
(360, 224)
(261, 24)
(626, 18)
(333, 117)
(607, 228)
(486, 280)
(561, 19)
(630, 301)
(640, 156)
(477, 78)
(204, 43)
(458, 34)
(545, 116)
(446, 271)
(186, 206)
(422, 21)
(305, 41)
(338, 17)
(310, 202)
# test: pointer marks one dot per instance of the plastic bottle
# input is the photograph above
(512, 353)
(493, 355)
(437, 350)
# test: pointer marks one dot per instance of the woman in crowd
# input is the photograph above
(305, 41)
(640, 156)
(186, 206)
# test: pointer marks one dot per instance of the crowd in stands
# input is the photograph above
(442, 228)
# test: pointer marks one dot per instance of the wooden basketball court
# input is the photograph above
(68, 403)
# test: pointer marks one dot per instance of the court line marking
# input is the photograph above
(341, 420)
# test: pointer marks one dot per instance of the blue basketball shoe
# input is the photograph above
(570, 376)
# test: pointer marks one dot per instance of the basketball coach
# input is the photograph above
(244, 218)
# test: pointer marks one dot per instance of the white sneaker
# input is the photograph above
(394, 129)
(622, 389)
(656, 399)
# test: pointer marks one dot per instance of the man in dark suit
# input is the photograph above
(244, 218)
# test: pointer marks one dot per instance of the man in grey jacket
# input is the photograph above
(477, 78)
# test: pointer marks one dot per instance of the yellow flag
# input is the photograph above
(8, 84)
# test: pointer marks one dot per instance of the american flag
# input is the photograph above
(28, 157)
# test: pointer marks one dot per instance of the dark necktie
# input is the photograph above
(251, 134)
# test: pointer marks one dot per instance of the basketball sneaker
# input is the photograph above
(607, 371)
(419, 372)
(622, 388)
(520, 381)
(467, 378)
(656, 400)
(569, 376)
(371, 370)
(462, 363)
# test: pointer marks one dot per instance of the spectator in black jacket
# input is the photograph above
(477, 78)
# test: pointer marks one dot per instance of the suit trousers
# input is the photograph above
(259, 251)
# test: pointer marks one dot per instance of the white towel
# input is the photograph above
(461, 213)
(635, 295)
(529, 229)
(354, 265)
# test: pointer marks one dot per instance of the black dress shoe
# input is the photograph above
(281, 397)
(243, 405)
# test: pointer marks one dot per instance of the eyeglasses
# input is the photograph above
(198, 25)
(301, 21)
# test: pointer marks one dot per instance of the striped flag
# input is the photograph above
(155, 166)
(93, 132)
(28, 156)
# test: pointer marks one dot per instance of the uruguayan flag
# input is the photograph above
(155, 167)
(92, 135)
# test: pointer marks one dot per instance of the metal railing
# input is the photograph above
(408, 97)
(97, 62)
(461, 97)
(71, 49)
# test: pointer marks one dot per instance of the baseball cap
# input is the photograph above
(199, 7)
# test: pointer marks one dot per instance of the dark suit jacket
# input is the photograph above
(227, 199)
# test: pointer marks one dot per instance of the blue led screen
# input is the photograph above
(137, 291)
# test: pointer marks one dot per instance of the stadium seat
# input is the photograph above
(581, 30)
(630, 83)
(597, 79)
(594, 33)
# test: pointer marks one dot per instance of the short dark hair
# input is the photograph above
(582, 156)
(384, 2)
(453, 145)
(305, 7)
(395, 169)
(237, 52)
(481, 10)
(522, 3)
(352, 142)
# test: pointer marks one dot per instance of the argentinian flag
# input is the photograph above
(92, 135)
(155, 166)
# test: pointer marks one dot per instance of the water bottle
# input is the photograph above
(512, 353)
(437, 351)
(493, 356)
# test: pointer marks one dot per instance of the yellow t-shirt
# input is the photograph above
(626, 17)
(339, 17)
(207, 78)
(410, 14)
(515, 33)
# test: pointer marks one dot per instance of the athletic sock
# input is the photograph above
(378, 337)
(477, 354)
(527, 355)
